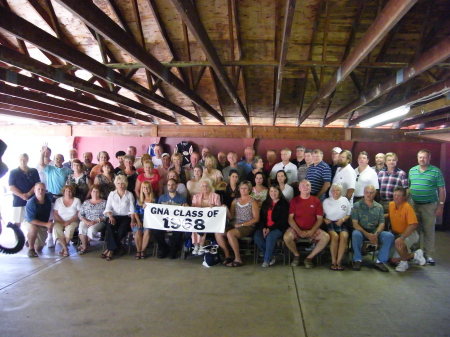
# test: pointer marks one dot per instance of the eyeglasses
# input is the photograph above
(357, 177)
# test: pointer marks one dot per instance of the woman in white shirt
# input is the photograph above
(65, 213)
(120, 216)
(337, 211)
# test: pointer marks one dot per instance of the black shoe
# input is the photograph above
(356, 265)
(162, 254)
(381, 267)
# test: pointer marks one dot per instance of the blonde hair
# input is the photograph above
(212, 159)
(209, 182)
(121, 178)
(145, 157)
(148, 162)
(141, 193)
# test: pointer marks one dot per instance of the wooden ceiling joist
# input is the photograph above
(22, 28)
(99, 21)
(436, 54)
(390, 15)
(16, 111)
(21, 61)
(188, 12)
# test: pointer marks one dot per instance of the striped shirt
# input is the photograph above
(424, 186)
(318, 175)
(389, 181)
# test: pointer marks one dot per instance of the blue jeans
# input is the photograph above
(386, 240)
(267, 244)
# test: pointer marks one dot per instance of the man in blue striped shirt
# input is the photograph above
(319, 174)
(427, 191)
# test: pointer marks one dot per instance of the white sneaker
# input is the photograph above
(419, 258)
(201, 250)
(402, 266)
(50, 242)
(195, 251)
(265, 265)
(272, 262)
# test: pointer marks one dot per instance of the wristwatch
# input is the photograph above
(441, 202)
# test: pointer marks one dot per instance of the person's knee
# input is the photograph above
(288, 237)
(357, 235)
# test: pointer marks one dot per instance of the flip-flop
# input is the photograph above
(235, 264)
(228, 260)
(32, 253)
(340, 268)
(333, 267)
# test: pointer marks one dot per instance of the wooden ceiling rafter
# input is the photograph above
(438, 53)
(33, 66)
(287, 28)
(98, 20)
(14, 111)
(190, 17)
(36, 36)
(393, 11)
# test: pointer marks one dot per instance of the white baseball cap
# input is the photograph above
(336, 149)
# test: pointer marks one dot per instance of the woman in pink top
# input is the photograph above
(206, 198)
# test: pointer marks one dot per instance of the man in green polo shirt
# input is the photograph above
(427, 191)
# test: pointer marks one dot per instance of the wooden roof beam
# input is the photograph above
(99, 21)
(25, 81)
(190, 17)
(13, 110)
(438, 53)
(287, 27)
(58, 75)
(20, 27)
(389, 16)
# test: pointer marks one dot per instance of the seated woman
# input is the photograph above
(181, 188)
(206, 198)
(337, 210)
(105, 180)
(177, 161)
(65, 214)
(129, 172)
(79, 180)
(244, 215)
(257, 167)
(259, 191)
(232, 189)
(151, 175)
(141, 234)
(92, 219)
(120, 213)
(211, 172)
(273, 222)
(286, 189)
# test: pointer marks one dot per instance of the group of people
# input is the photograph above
(297, 199)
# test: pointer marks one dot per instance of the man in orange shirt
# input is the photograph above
(404, 224)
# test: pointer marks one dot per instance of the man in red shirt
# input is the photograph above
(305, 218)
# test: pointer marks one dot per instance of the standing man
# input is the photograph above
(233, 160)
(365, 175)
(21, 184)
(380, 160)
(87, 161)
(404, 224)
(221, 161)
(157, 159)
(334, 160)
(305, 218)
(246, 163)
(73, 154)
(47, 161)
(286, 166)
(368, 224)
(37, 215)
(176, 238)
(132, 151)
(319, 174)
(427, 191)
(345, 175)
(205, 152)
(303, 169)
(299, 156)
(390, 178)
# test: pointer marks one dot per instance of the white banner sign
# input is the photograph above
(185, 219)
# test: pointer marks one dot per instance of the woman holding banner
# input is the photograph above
(141, 234)
(120, 213)
(206, 198)
(273, 222)
(244, 215)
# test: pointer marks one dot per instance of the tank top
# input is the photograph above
(243, 212)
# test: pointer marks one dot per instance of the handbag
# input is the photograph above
(211, 256)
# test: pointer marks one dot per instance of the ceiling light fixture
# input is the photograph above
(386, 116)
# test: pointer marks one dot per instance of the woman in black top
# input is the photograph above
(273, 222)
(232, 190)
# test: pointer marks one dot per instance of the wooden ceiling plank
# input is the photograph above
(99, 21)
(438, 53)
(76, 109)
(189, 14)
(35, 115)
(287, 28)
(21, 61)
(384, 22)
(20, 27)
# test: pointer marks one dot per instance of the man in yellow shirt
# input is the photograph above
(404, 224)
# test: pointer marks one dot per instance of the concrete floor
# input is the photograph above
(87, 296)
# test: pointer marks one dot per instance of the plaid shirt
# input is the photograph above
(389, 181)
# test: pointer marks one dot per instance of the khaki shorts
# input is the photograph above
(18, 214)
(411, 240)
(243, 231)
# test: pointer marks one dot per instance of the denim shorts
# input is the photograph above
(333, 227)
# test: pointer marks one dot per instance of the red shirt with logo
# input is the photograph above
(305, 211)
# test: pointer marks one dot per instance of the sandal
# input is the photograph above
(235, 264)
(108, 256)
(82, 251)
(138, 255)
(228, 260)
(340, 268)
(32, 253)
(143, 255)
(334, 267)
(104, 254)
